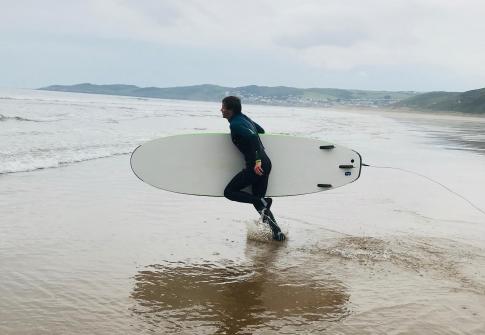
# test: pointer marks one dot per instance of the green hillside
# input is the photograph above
(279, 95)
(466, 102)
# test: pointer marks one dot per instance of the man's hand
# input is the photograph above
(258, 169)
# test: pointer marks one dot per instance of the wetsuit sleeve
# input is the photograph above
(258, 128)
(250, 140)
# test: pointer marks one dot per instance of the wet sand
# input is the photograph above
(88, 248)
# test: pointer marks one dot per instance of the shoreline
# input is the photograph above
(425, 114)
(383, 109)
(400, 114)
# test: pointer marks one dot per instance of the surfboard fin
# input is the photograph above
(327, 147)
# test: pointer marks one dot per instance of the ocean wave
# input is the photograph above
(19, 118)
(25, 165)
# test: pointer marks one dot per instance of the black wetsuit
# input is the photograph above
(244, 134)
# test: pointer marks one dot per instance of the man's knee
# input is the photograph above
(227, 193)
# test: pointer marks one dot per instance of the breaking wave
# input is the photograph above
(48, 162)
(18, 118)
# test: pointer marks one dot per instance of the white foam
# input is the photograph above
(86, 127)
(257, 230)
(28, 162)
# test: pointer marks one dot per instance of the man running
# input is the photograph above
(244, 134)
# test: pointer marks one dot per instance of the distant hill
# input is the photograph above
(466, 102)
(279, 95)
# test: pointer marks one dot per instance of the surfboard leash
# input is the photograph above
(430, 179)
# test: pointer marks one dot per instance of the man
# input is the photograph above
(244, 134)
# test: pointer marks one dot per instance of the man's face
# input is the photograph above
(226, 113)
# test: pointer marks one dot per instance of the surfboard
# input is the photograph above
(203, 164)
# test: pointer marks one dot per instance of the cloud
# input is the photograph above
(348, 34)
(330, 35)
(314, 38)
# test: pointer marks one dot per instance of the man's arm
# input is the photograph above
(258, 128)
(257, 165)
(251, 139)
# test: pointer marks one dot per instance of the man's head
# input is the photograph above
(231, 106)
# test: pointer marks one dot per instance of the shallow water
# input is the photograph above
(85, 247)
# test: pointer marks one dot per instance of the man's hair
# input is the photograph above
(232, 103)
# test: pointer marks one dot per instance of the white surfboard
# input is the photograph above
(203, 164)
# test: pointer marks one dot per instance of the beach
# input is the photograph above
(86, 247)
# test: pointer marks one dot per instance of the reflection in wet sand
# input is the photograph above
(234, 298)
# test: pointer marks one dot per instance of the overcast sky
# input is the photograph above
(420, 45)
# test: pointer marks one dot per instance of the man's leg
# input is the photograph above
(259, 188)
(241, 180)
(260, 185)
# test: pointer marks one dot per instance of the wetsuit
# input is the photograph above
(244, 134)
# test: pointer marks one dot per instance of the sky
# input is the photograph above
(411, 45)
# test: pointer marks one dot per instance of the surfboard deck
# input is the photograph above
(203, 164)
